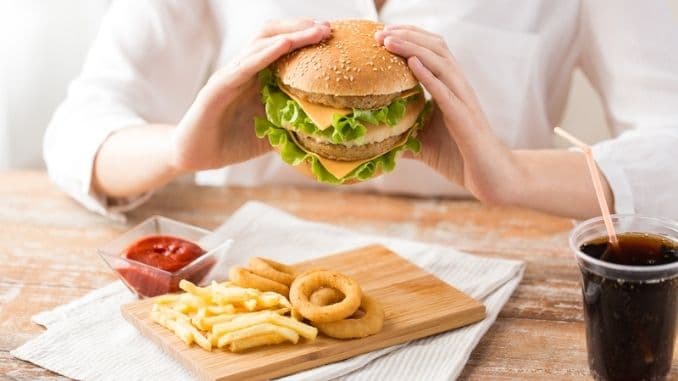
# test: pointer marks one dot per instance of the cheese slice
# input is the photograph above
(322, 116)
(339, 168)
(380, 132)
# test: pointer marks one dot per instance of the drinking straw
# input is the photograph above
(597, 184)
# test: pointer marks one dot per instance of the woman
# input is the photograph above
(169, 88)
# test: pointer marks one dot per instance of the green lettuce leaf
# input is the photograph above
(294, 155)
(282, 110)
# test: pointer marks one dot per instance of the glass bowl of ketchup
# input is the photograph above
(155, 255)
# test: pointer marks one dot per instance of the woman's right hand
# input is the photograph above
(217, 130)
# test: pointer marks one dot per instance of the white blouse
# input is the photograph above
(151, 57)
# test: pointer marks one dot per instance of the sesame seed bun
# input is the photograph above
(349, 69)
(329, 81)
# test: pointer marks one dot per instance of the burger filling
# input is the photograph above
(287, 124)
(339, 126)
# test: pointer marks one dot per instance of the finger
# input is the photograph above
(308, 36)
(444, 68)
(392, 27)
(264, 52)
(439, 66)
(449, 103)
(432, 42)
(275, 27)
(257, 61)
(407, 49)
(275, 47)
(299, 39)
(250, 65)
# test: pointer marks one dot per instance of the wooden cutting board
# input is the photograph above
(416, 304)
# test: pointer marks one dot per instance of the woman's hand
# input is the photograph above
(218, 128)
(458, 141)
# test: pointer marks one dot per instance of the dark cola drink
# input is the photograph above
(629, 308)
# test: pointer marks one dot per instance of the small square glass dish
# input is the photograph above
(168, 248)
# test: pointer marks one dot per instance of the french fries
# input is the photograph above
(255, 341)
(306, 331)
(222, 315)
(257, 330)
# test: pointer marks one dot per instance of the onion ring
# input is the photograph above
(371, 322)
(296, 315)
(311, 270)
(246, 278)
(325, 296)
(303, 286)
(295, 312)
(272, 270)
(321, 297)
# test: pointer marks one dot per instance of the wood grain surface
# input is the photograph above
(47, 258)
(416, 304)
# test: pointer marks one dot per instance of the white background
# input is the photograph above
(43, 44)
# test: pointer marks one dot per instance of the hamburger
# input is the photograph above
(344, 109)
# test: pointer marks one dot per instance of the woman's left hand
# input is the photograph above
(458, 141)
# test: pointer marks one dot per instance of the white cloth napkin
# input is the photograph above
(88, 338)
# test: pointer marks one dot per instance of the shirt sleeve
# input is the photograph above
(147, 63)
(629, 54)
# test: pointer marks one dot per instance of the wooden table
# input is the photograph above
(47, 258)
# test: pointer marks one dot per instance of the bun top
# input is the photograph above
(349, 63)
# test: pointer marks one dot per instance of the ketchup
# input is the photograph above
(166, 253)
